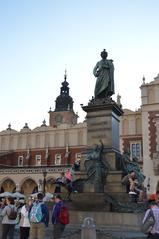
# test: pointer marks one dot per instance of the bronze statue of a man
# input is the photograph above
(104, 71)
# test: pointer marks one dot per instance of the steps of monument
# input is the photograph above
(120, 196)
(106, 220)
(115, 228)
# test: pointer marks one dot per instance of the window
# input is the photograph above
(38, 160)
(58, 118)
(136, 150)
(77, 157)
(57, 159)
(20, 161)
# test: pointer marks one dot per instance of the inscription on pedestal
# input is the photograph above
(99, 129)
(98, 136)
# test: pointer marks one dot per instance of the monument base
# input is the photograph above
(103, 122)
(90, 201)
(111, 220)
(113, 183)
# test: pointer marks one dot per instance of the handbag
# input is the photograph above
(148, 223)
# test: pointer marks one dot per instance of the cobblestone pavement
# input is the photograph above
(72, 233)
(75, 233)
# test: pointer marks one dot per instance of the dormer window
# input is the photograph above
(20, 161)
(77, 157)
(38, 160)
(57, 159)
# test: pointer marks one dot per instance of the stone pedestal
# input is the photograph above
(113, 183)
(90, 201)
(103, 123)
(102, 127)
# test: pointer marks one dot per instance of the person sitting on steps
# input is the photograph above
(133, 188)
(65, 180)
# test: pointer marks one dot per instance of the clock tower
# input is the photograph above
(63, 112)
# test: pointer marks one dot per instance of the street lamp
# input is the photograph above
(44, 180)
(148, 184)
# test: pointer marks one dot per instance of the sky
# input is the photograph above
(39, 39)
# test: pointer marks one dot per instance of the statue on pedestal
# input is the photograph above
(129, 166)
(96, 169)
(104, 71)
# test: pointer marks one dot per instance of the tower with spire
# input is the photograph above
(63, 112)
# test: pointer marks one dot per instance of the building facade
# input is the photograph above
(29, 157)
(139, 133)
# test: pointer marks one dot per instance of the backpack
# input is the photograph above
(64, 215)
(13, 213)
(36, 213)
(148, 223)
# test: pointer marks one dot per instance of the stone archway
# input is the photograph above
(8, 185)
(29, 186)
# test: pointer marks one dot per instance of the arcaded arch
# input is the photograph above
(29, 186)
(7, 185)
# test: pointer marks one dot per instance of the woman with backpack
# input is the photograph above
(24, 219)
(9, 214)
(60, 216)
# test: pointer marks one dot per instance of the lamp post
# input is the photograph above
(44, 181)
(148, 184)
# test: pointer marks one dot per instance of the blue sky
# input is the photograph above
(40, 39)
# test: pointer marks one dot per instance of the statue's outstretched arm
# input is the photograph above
(95, 72)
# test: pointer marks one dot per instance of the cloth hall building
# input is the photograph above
(28, 157)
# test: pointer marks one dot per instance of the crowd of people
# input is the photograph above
(32, 217)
